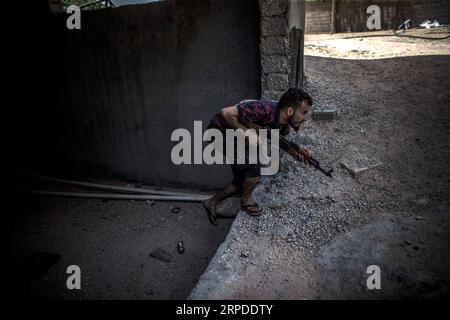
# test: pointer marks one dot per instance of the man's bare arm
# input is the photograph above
(230, 114)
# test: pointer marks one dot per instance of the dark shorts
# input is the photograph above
(240, 171)
(245, 170)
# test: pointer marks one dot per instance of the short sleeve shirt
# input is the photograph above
(261, 113)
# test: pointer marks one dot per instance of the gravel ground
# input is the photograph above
(393, 111)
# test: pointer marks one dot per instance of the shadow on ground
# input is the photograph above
(125, 249)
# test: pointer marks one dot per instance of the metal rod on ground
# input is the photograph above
(119, 196)
(98, 186)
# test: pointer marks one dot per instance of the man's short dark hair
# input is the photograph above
(294, 97)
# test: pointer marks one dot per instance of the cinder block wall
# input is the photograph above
(282, 29)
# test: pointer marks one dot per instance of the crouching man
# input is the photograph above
(291, 110)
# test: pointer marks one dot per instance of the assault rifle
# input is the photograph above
(291, 147)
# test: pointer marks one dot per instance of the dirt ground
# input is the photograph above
(112, 242)
(378, 45)
(318, 235)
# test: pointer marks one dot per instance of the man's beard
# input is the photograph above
(293, 124)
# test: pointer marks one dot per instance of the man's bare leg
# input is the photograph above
(211, 203)
(246, 198)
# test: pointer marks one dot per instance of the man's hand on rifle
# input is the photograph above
(300, 154)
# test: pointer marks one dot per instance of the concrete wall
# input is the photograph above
(351, 14)
(133, 74)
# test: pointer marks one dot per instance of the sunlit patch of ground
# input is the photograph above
(364, 46)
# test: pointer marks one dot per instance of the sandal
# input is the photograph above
(246, 207)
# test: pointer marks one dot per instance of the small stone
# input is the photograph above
(175, 210)
(180, 247)
(419, 218)
(244, 254)
(422, 201)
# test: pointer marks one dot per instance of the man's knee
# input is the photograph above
(253, 171)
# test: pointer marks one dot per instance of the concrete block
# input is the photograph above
(277, 81)
(273, 7)
(274, 26)
(274, 45)
(271, 94)
(324, 114)
(274, 64)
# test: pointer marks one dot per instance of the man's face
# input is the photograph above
(298, 115)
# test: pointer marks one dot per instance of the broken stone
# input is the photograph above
(161, 255)
(281, 231)
(419, 218)
(355, 172)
